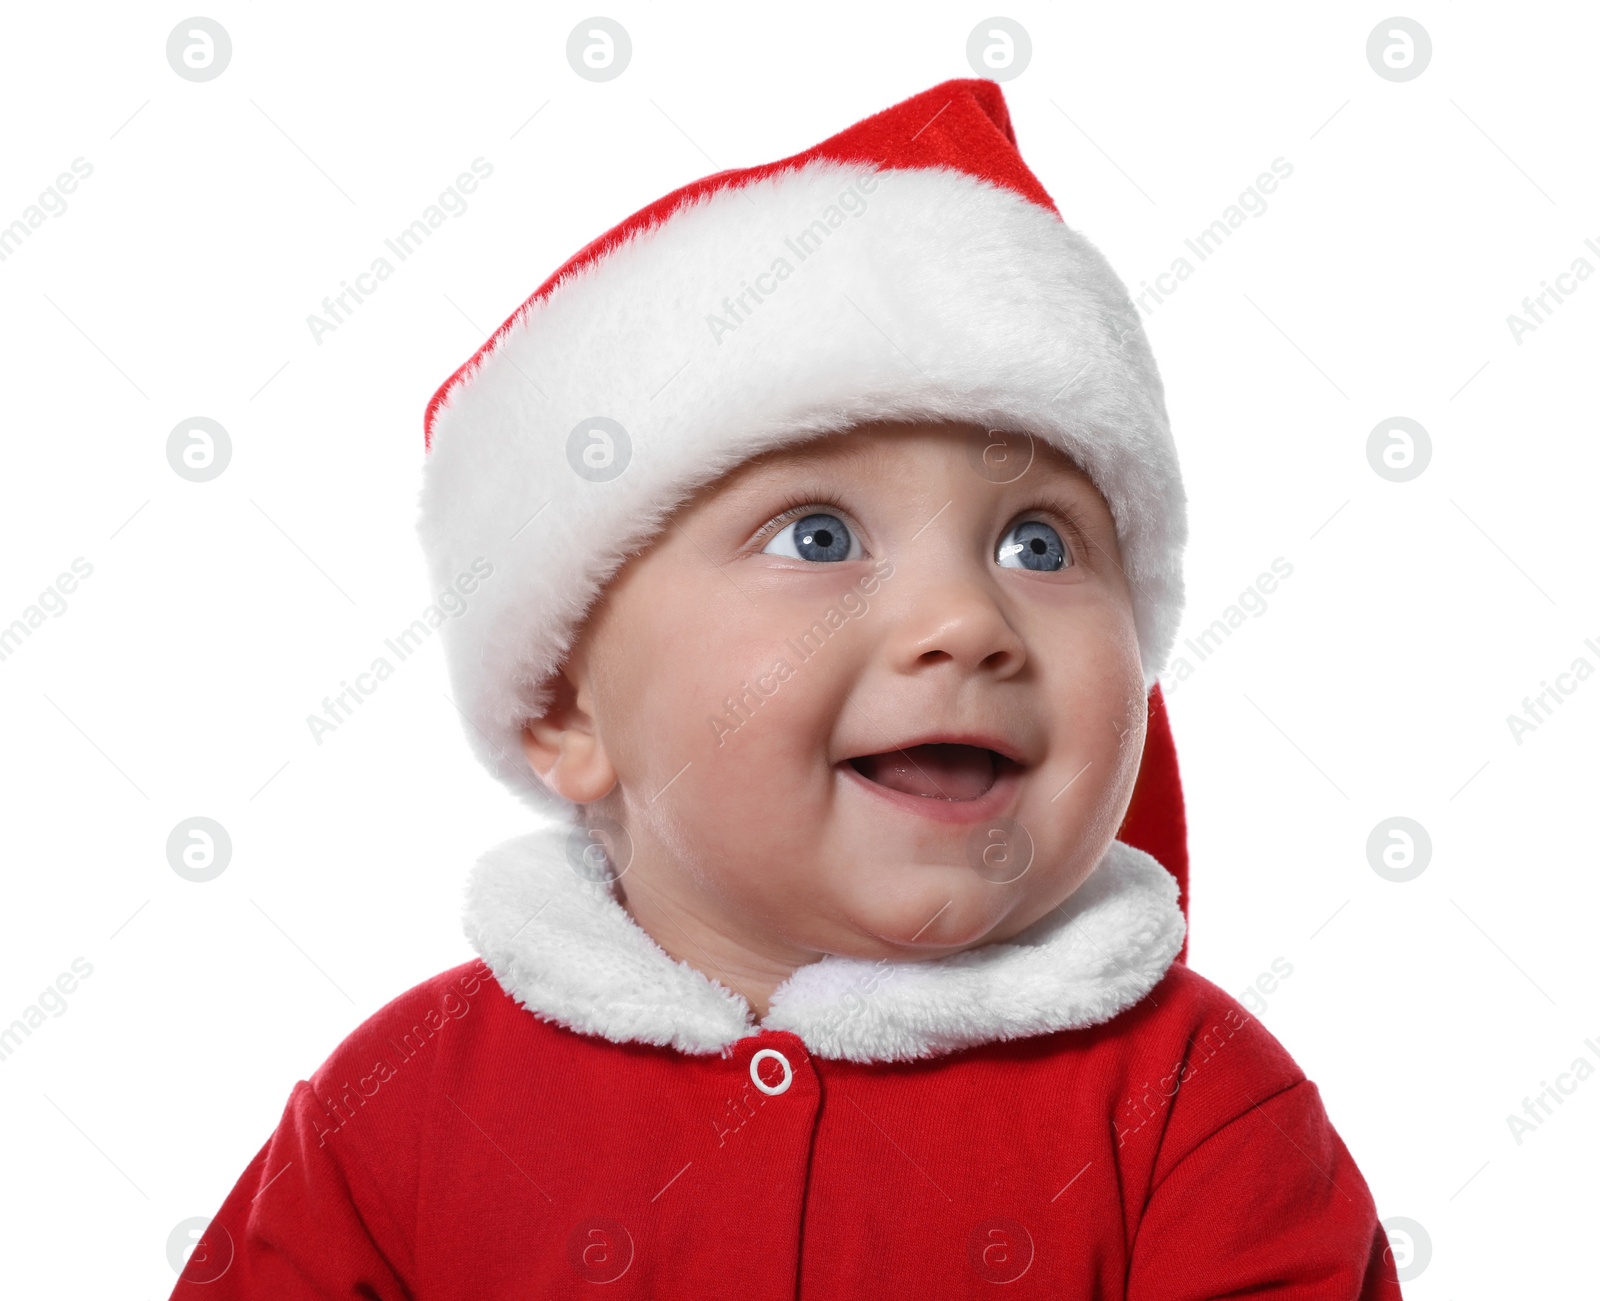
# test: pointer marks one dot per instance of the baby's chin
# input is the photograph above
(917, 911)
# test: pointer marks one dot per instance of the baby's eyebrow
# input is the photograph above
(829, 451)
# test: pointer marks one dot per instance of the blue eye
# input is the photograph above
(1032, 544)
(820, 537)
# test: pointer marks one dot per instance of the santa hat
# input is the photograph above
(909, 268)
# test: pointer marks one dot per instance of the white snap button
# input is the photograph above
(771, 1090)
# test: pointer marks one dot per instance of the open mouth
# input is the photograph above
(936, 771)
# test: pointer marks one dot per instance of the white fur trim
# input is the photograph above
(945, 297)
(565, 949)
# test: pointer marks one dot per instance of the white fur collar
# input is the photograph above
(565, 949)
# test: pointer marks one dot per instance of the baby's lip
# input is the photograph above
(998, 798)
(1002, 746)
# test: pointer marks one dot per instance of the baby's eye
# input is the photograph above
(818, 536)
(1032, 544)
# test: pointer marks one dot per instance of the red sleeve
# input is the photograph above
(305, 1220)
(1270, 1204)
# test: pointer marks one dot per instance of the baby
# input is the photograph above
(822, 619)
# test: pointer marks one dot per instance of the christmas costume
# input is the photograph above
(1071, 1113)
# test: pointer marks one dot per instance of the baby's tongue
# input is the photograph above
(938, 771)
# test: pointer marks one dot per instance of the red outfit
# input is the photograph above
(456, 1146)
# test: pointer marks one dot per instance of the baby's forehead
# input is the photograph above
(882, 445)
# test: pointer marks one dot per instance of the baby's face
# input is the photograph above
(863, 696)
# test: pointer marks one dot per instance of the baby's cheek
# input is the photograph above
(1096, 668)
(731, 711)
(1097, 706)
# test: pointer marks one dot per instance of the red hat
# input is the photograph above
(911, 267)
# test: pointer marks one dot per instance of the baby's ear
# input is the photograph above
(563, 747)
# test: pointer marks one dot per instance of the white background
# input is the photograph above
(219, 615)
